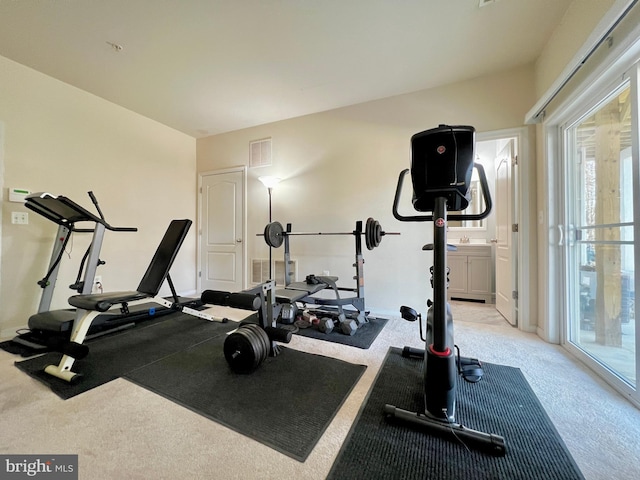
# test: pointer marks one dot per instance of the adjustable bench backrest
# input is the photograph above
(162, 260)
(89, 306)
(153, 278)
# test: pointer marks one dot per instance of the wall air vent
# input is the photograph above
(260, 271)
(260, 153)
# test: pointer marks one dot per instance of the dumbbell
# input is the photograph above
(326, 325)
(288, 313)
(348, 327)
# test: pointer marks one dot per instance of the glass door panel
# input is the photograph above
(600, 236)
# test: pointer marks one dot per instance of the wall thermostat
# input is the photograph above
(18, 194)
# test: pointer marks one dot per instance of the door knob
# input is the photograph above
(238, 240)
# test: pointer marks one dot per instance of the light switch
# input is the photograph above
(20, 218)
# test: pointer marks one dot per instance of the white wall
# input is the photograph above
(342, 165)
(576, 25)
(65, 141)
(339, 166)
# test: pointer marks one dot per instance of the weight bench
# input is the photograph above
(91, 305)
(303, 292)
(275, 235)
(297, 291)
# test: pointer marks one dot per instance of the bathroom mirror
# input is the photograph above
(476, 205)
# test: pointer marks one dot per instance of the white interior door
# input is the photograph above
(222, 234)
(504, 258)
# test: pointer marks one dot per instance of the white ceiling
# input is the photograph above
(210, 66)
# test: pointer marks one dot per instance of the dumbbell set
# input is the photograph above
(289, 314)
(324, 323)
(347, 326)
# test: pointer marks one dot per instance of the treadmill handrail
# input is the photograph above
(64, 211)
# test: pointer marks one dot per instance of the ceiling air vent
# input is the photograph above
(260, 153)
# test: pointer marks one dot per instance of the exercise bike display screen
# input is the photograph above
(441, 166)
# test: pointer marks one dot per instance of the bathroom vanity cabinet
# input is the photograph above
(471, 272)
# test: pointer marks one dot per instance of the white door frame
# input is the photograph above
(242, 169)
(526, 288)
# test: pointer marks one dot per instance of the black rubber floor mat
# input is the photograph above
(111, 357)
(287, 403)
(502, 403)
(363, 338)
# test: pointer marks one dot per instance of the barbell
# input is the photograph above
(274, 233)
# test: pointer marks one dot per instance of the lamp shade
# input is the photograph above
(269, 181)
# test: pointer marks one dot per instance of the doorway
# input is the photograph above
(498, 152)
(222, 246)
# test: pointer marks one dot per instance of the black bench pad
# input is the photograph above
(298, 290)
(102, 302)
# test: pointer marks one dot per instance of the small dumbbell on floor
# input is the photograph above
(347, 326)
(326, 325)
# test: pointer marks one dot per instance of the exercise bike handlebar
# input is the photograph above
(455, 216)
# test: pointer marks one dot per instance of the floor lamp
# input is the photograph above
(269, 182)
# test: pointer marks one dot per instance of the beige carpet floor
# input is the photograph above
(121, 431)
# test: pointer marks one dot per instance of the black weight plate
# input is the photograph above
(257, 342)
(273, 234)
(262, 337)
(251, 353)
(263, 340)
(367, 233)
(238, 351)
(242, 351)
(373, 233)
(378, 234)
(266, 342)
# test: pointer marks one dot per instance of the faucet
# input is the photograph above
(464, 239)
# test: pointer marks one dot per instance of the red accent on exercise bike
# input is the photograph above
(445, 353)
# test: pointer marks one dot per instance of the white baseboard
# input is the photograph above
(190, 293)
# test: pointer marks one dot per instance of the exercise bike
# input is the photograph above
(441, 168)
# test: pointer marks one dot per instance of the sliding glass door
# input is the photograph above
(599, 235)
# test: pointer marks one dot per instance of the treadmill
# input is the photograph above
(48, 327)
